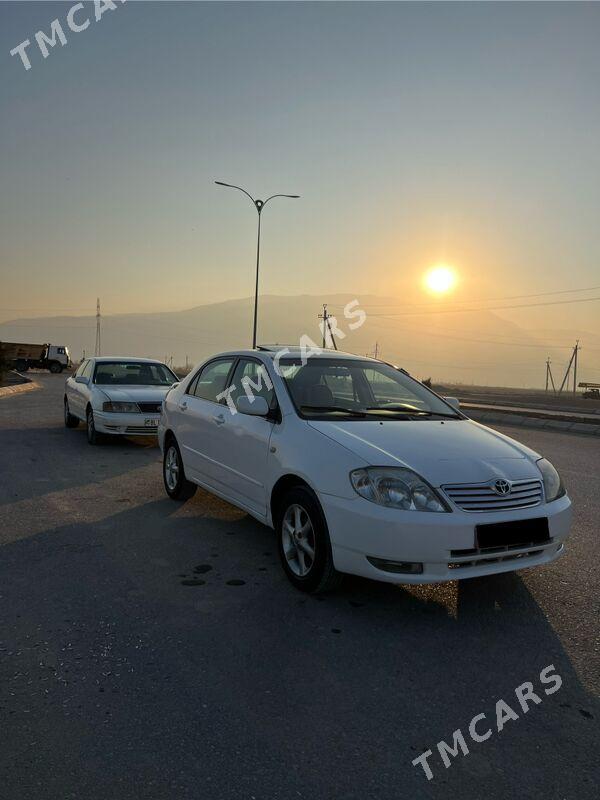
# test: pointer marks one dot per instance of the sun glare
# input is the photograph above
(440, 279)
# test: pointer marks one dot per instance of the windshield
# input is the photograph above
(133, 373)
(359, 390)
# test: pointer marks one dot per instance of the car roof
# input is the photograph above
(295, 351)
(125, 359)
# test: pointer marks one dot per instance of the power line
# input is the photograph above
(445, 335)
(484, 299)
(486, 308)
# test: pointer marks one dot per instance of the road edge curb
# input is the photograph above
(9, 391)
(536, 423)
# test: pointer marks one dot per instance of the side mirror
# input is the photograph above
(258, 407)
(81, 379)
(454, 402)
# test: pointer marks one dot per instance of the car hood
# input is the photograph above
(458, 451)
(134, 394)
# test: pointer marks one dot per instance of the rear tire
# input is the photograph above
(70, 420)
(304, 544)
(93, 436)
(21, 366)
(177, 485)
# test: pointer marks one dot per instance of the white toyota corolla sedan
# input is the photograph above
(117, 396)
(360, 469)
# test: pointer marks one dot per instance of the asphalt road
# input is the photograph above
(119, 681)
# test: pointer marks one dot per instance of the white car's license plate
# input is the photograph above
(151, 422)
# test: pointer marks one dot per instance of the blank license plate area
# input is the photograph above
(525, 531)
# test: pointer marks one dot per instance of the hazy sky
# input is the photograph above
(415, 133)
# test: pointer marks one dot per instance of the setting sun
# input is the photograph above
(440, 279)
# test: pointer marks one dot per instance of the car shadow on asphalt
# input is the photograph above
(381, 670)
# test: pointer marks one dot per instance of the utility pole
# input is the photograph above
(572, 361)
(325, 316)
(549, 375)
(333, 342)
(98, 348)
(376, 349)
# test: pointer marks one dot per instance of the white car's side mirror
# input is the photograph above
(81, 379)
(454, 402)
(258, 407)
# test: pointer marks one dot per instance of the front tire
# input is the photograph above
(304, 544)
(70, 420)
(55, 368)
(177, 485)
(93, 436)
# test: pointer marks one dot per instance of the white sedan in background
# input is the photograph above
(117, 396)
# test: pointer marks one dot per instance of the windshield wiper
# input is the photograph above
(407, 410)
(341, 409)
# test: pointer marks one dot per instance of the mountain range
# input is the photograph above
(470, 347)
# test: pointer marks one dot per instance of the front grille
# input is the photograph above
(137, 429)
(483, 497)
(481, 562)
(150, 408)
(484, 551)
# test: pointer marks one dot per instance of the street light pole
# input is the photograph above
(258, 205)
(256, 282)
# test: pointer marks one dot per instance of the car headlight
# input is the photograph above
(397, 487)
(121, 408)
(553, 486)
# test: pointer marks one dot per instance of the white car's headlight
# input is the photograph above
(397, 487)
(553, 486)
(121, 408)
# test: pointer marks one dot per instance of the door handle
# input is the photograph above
(183, 406)
(219, 419)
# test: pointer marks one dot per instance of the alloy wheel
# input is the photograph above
(298, 540)
(172, 468)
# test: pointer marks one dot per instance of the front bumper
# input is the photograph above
(125, 424)
(360, 530)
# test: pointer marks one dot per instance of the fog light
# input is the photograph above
(397, 567)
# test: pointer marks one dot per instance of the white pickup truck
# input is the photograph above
(23, 356)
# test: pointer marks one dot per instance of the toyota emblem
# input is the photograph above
(501, 486)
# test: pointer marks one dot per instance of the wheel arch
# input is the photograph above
(168, 436)
(282, 485)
